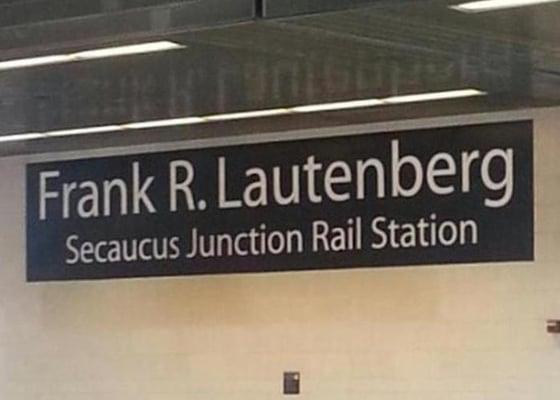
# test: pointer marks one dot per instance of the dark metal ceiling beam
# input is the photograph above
(290, 8)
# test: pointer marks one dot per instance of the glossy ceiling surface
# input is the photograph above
(243, 55)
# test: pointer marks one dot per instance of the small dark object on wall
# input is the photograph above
(292, 382)
(553, 326)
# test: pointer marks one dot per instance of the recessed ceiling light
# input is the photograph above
(90, 55)
(119, 51)
(21, 137)
(341, 105)
(34, 62)
(491, 5)
(248, 114)
(85, 131)
(434, 96)
(161, 123)
(344, 105)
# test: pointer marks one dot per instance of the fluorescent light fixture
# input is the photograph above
(118, 51)
(248, 114)
(34, 62)
(491, 5)
(20, 137)
(343, 105)
(127, 50)
(163, 123)
(448, 95)
(85, 131)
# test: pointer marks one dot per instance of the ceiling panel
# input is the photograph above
(247, 63)
(99, 22)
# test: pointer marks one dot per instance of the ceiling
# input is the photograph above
(247, 55)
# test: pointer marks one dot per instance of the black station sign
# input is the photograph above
(433, 196)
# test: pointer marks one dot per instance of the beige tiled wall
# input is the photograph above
(437, 333)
